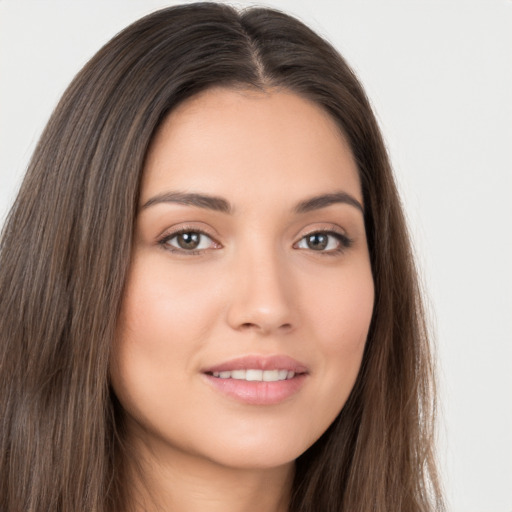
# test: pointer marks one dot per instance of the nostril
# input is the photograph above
(249, 325)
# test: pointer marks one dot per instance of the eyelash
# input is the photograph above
(164, 242)
(344, 242)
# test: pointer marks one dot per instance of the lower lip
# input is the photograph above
(257, 392)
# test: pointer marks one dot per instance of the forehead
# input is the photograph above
(226, 142)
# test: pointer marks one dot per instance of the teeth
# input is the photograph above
(270, 375)
(253, 375)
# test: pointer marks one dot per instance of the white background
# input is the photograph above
(439, 74)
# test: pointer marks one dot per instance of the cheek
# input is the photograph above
(161, 307)
(343, 311)
(342, 317)
(165, 319)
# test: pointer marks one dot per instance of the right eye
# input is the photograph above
(188, 242)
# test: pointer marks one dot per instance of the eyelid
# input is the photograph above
(185, 226)
(322, 227)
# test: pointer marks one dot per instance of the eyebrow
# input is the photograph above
(220, 204)
(190, 199)
(324, 200)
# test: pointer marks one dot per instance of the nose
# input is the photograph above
(263, 298)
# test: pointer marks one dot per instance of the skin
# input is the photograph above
(255, 286)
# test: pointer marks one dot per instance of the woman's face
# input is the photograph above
(250, 291)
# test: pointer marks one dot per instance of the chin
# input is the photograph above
(261, 451)
(255, 459)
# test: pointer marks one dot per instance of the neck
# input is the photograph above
(181, 483)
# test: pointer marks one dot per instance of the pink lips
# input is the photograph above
(260, 363)
(258, 392)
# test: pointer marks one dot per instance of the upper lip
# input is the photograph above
(255, 362)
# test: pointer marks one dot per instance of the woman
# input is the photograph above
(207, 295)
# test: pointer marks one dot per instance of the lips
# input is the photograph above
(258, 380)
(279, 362)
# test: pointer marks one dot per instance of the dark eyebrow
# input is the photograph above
(324, 200)
(191, 199)
(221, 205)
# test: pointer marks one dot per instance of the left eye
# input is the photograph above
(321, 241)
(189, 241)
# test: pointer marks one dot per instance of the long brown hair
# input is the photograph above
(65, 252)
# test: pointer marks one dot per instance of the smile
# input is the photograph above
(258, 379)
(255, 375)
